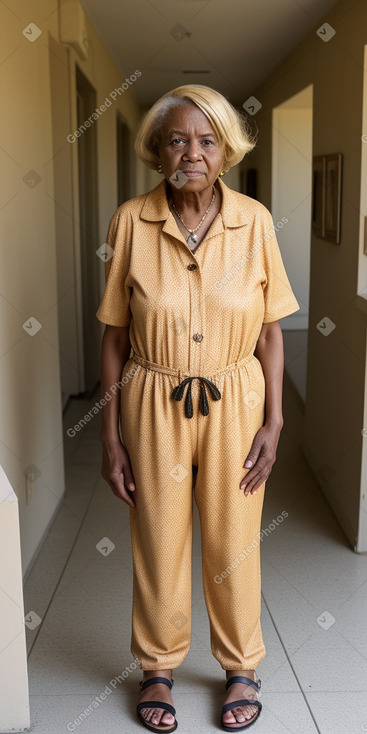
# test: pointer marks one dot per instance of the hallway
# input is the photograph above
(77, 78)
(314, 676)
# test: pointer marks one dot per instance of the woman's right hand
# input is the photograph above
(116, 470)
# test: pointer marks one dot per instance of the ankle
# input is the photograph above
(245, 673)
(157, 673)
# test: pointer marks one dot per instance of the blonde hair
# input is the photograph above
(230, 126)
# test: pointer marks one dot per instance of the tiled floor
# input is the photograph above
(314, 676)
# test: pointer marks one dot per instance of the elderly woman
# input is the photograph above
(192, 299)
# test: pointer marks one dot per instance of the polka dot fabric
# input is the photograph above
(194, 314)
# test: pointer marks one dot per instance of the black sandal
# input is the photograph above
(242, 702)
(156, 704)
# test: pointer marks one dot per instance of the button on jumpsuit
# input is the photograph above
(194, 315)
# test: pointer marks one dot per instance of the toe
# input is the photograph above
(252, 711)
(158, 716)
(167, 718)
(229, 718)
(239, 714)
(247, 712)
(147, 713)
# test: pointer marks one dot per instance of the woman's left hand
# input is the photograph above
(262, 456)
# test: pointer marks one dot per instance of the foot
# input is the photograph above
(240, 714)
(157, 692)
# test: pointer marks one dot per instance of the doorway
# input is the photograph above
(291, 199)
(71, 356)
(88, 227)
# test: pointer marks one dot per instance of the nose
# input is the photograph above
(192, 152)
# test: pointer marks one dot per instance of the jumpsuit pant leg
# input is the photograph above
(163, 445)
(230, 522)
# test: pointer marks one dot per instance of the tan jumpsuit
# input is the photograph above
(194, 315)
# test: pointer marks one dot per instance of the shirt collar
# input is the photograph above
(233, 212)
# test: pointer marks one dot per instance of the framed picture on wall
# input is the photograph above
(326, 196)
(333, 185)
(318, 196)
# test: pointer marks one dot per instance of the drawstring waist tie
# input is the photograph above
(204, 407)
(178, 392)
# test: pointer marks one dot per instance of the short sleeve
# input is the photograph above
(279, 298)
(114, 308)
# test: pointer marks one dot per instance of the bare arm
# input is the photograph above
(259, 462)
(116, 467)
(269, 351)
(115, 352)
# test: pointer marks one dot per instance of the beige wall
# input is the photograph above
(36, 221)
(332, 439)
(101, 72)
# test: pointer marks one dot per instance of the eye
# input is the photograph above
(208, 141)
(177, 141)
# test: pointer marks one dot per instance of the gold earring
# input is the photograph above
(160, 169)
(222, 173)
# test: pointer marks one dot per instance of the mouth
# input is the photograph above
(192, 174)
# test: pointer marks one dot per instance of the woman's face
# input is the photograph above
(189, 144)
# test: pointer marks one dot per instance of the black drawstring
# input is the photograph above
(178, 392)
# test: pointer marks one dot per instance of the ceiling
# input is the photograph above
(233, 44)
